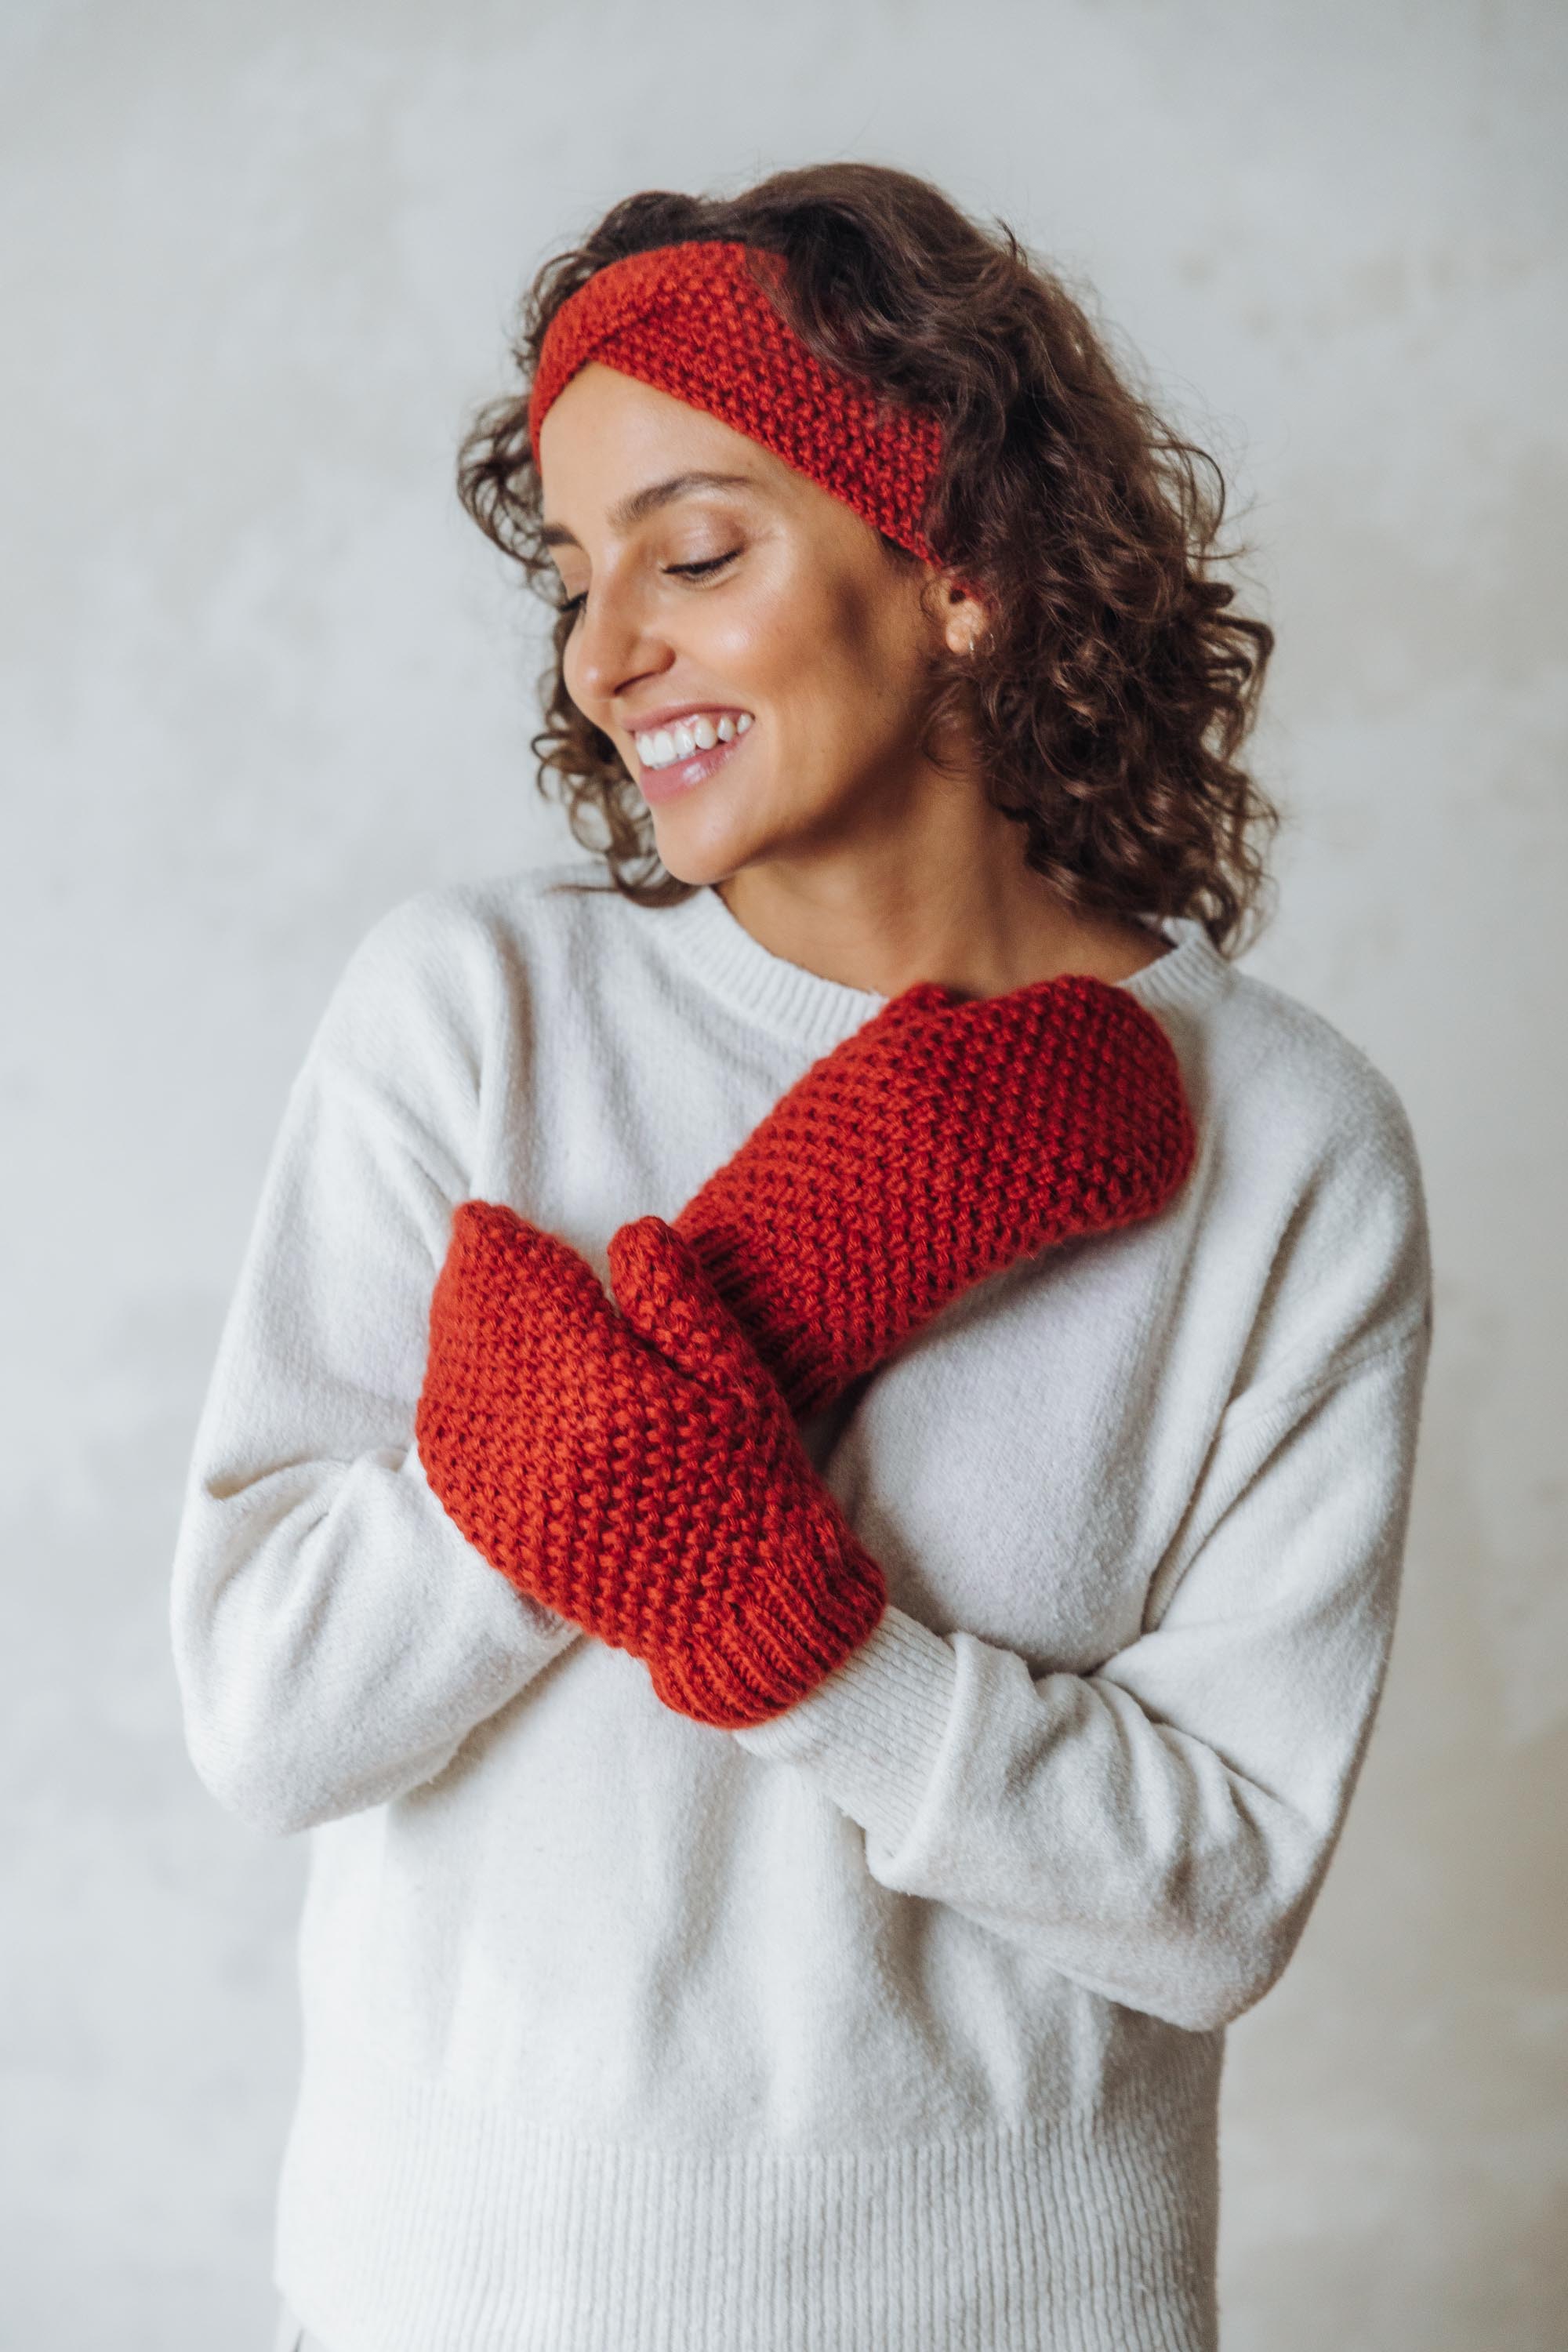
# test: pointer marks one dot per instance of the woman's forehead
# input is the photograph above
(604, 421)
(609, 441)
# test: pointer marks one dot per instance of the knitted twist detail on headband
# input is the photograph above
(691, 320)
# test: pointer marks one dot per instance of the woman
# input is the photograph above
(808, 1747)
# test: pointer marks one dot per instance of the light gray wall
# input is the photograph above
(259, 679)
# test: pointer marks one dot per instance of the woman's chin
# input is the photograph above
(701, 853)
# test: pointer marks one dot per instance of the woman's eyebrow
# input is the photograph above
(643, 502)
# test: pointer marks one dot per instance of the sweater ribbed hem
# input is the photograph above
(412, 2220)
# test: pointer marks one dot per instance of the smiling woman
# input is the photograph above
(1031, 596)
(741, 588)
(809, 1747)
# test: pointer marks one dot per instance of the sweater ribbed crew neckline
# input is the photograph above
(819, 1012)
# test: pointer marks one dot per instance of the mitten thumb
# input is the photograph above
(497, 1260)
(665, 1297)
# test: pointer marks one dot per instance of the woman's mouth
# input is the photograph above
(671, 759)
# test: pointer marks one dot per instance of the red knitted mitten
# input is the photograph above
(938, 1144)
(639, 1473)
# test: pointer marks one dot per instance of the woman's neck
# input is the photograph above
(962, 909)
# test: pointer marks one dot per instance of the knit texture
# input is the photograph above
(640, 1474)
(693, 320)
(895, 2021)
(940, 1143)
(637, 1473)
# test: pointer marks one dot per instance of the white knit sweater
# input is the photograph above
(894, 2024)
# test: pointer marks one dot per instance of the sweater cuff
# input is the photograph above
(872, 1731)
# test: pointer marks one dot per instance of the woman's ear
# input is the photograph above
(964, 615)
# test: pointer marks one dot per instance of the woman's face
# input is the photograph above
(724, 593)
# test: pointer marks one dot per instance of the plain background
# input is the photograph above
(259, 679)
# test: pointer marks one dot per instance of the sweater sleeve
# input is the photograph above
(1158, 1829)
(335, 1636)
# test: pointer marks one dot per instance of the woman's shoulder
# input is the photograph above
(1283, 1082)
(1307, 1158)
(448, 946)
(525, 899)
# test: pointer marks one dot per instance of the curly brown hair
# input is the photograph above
(1113, 687)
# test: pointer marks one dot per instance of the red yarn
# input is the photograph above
(691, 320)
(637, 1473)
(938, 1144)
(643, 1476)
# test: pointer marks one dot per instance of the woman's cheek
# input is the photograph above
(761, 640)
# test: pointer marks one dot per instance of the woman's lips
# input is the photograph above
(668, 783)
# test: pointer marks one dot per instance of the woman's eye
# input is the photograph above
(709, 563)
(696, 569)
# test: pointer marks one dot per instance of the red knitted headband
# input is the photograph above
(691, 320)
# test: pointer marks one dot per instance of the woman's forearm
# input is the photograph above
(1156, 1830)
(335, 1636)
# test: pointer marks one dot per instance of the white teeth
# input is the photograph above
(658, 747)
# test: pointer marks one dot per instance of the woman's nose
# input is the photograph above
(613, 644)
